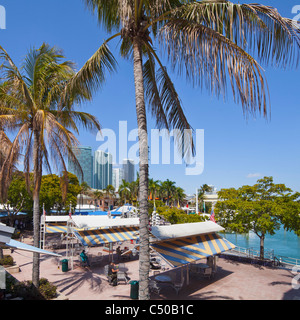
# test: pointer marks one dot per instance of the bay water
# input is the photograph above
(284, 243)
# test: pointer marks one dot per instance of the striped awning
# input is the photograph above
(182, 251)
(102, 236)
(56, 228)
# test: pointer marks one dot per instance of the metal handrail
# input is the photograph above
(268, 254)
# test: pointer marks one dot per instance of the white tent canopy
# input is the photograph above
(185, 230)
(85, 222)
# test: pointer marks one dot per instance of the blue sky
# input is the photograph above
(238, 151)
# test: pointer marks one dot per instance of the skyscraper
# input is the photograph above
(102, 169)
(85, 159)
(118, 176)
(128, 170)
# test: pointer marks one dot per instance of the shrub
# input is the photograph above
(7, 260)
(47, 289)
(27, 291)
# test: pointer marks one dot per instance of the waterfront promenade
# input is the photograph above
(233, 281)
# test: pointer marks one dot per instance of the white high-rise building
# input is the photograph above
(128, 170)
(102, 169)
(117, 178)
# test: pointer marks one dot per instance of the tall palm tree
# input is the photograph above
(204, 40)
(38, 103)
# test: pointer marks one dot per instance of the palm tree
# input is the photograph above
(37, 101)
(169, 188)
(204, 188)
(204, 40)
(124, 190)
(154, 186)
(179, 195)
(109, 192)
(98, 195)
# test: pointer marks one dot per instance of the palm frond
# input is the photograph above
(92, 75)
(257, 28)
(107, 12)
(210, 59)
(165, 103)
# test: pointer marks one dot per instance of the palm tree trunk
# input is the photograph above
(36, 209)
(144, 260)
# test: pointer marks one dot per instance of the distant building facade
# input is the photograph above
(102, 169)
(85, 159)
(128, 170)
(118, 176)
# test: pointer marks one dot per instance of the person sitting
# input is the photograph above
(84, 258)
(118, 251)
(113, 273)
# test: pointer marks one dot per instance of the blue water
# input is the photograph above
(284, 243)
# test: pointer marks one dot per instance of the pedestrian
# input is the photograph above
(84, 258)
(113, 273)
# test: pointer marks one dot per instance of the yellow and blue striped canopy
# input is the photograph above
(182, 251)
(56, 228)
(61, 228)
(102, 236)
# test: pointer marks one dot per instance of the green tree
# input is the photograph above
(51, 192)
(37, 101)
(178, 195)
(168, 189)
(201, 192)
(204, 40)
(178, 216)
(18, 197)
(124, 190)
(154, 186)
(261, 208)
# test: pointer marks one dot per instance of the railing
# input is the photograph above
(268, 254)
(288, 261)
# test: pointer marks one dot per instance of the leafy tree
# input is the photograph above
(204, 40)
(261, 208)
(168, 189)
(51, 192)
(37, 101)
(18, 197)
(177, 216)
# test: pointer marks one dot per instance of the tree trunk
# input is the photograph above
(36, 208)
(262, 245)
(144, 260)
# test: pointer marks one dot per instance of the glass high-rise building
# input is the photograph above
(118, 176)
(85, 159)
(128, 170)
(102, 169)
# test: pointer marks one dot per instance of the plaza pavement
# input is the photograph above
(233, 281)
